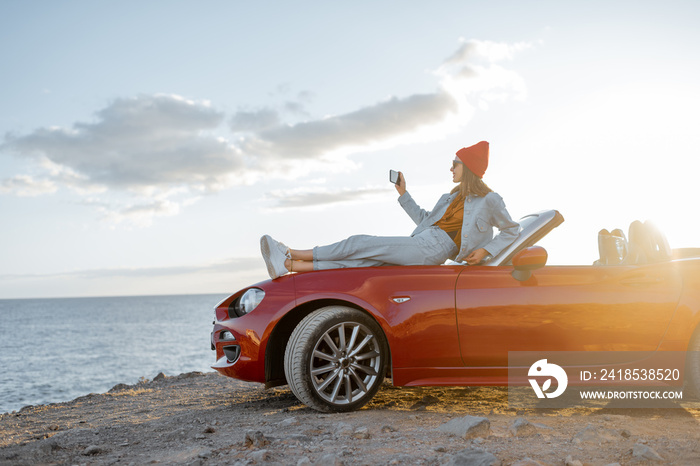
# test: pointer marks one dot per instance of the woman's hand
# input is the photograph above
(401, 185)
(477, 256)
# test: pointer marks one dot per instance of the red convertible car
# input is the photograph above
(334, 335)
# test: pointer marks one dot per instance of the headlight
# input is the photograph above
(248, 301)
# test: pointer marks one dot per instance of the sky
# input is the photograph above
(146, 146)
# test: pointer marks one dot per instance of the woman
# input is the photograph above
(459, 227)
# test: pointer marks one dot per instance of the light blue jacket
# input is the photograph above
(481, 214)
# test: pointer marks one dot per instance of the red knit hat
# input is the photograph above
(475, 157)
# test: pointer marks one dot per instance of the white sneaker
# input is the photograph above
(275, 254)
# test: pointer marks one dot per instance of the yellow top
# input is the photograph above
(451, 222)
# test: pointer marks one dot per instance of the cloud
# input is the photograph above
(364, 127)
(264, 118)
(26, 186)
(148, 155)
(321, 196)
(488, 50)
(252, 121)
(137, 144)
(140, 214)
(473, 76)
(142, 152)
(467, 79)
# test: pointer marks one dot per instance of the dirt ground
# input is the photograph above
(203, 419)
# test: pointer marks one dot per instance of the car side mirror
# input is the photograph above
(527, 260)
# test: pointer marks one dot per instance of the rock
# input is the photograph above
(209, 430)
(593, 434)
(255, 439)
(615, 417)
(204, 454)
(93, 450)
(47, 446)
(304, 461)
(388, 429)
(467, 427)
(425, 401)
(645, 453)
(119, 387)
(626, 433)
(473, 457)
(330, 460)
(343, 428)
(158, 377)
(527, 462)
(541, 426)
(403, 459)
(570, 461)
(290, 421)
(361, 433)
(522, 428)
(261, 456)
(298, 438)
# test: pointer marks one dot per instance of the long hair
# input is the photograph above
(471, 184)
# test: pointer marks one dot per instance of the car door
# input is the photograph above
(563, 308)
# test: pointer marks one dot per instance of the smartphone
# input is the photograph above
(394, 176)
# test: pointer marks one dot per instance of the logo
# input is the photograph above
(544, 369)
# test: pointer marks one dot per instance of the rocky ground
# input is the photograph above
(202, 419)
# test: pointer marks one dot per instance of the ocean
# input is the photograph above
(54, 350)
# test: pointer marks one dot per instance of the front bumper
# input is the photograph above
(238, 351)
(240, 341)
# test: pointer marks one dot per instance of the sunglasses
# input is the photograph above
(456, 162)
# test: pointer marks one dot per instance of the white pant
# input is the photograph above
(429, 247)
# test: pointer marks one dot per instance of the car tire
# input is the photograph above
(336, 359)
(692, 367)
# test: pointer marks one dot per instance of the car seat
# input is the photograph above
(612, 247)
(646, 244)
